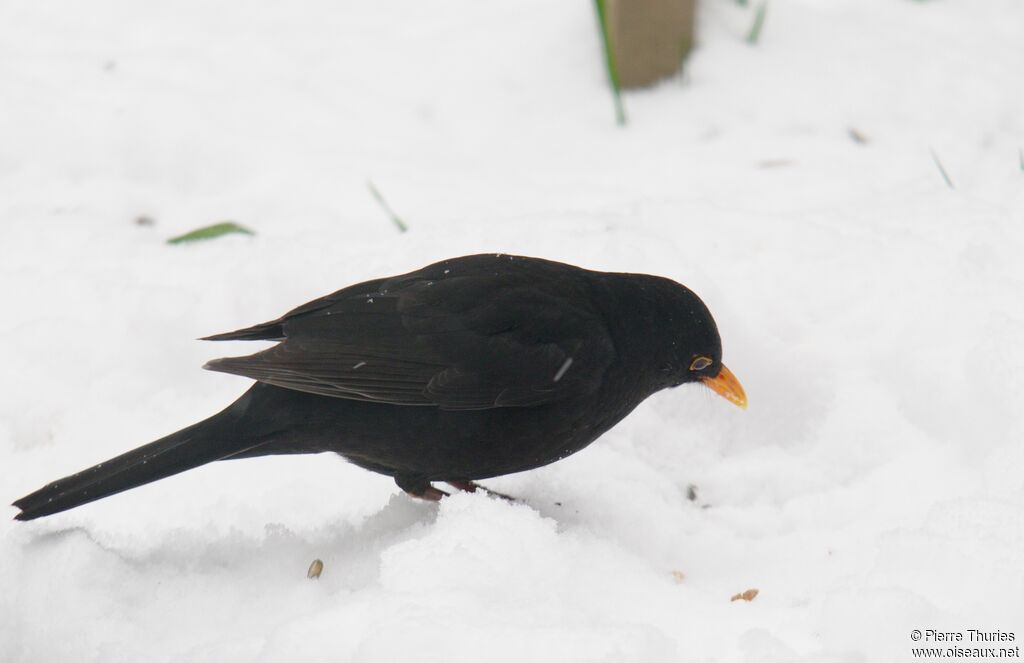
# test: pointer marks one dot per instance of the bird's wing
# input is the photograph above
(459, 341)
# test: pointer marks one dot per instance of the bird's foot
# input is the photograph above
(420, 488)
(430, 494)
(472, 487)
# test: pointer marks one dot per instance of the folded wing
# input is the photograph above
(464, 334)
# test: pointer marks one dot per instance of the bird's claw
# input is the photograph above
(430, 494)
(472, 487)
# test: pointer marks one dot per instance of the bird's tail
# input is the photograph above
(201, 443)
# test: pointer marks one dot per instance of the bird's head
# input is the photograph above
(696, 348)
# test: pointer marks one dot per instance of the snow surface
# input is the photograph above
(874, 315)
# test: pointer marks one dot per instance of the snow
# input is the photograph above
(872, 312)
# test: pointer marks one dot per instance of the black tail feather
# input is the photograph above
(268, 331)
(201, 443)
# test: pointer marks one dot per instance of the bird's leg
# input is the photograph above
(472, 487)
(419, 487)
(430, 494)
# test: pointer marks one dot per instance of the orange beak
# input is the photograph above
(728, 387)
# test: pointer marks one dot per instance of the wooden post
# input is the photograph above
(649, 38)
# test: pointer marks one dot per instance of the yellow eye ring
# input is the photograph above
(700, 363)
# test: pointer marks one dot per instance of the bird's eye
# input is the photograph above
(700, 363)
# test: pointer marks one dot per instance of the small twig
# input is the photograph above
(387, 208)
(755, 29)
(945, 175)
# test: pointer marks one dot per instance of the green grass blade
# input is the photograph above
(938, 164)
(395, 219)
(755, 29)
(211, 232)
(609, 62)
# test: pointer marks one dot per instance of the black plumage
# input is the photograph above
(469, 368)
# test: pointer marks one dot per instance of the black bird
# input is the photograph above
(470, 368)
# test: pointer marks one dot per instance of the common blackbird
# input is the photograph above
(469, 368)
